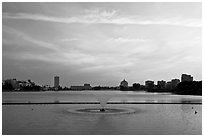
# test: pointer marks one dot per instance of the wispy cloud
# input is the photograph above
(99, 13)
(55, 54)
(22, 36)
(123, 40)
(106, 17)
(68, 39)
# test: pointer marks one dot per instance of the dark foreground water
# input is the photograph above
(58, 119)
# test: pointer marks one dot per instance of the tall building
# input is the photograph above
(185, 77)
(56, 82)
(161, 84)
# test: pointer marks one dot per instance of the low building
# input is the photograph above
(149, 84)
(87, 87)
(169, 85)
(175, 82)
(135, 86)
(161, 84)
(124, 83)
(77, 87)
(84, 87)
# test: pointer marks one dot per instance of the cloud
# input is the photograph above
(120, 39)
(22, 36)
(53, 53)
(98, 12)
(104, 44)
(106, 17)
(68, 39)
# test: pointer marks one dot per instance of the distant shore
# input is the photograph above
(31, 91)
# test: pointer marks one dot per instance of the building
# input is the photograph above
(77, 87)
(56, 82)
(87, 86)
(149, 84)
(175, 82)
(124, 83)
(169, 85)
(84, 87)
(161, 84)
(185, 77)
(135, 86)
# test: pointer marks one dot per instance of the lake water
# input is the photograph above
(52, 119)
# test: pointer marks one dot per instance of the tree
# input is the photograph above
(189, 88)
(7, 86)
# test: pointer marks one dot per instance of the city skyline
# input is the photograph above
(101, 43)
(56, 82)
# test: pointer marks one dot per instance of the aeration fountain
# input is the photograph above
(103, 99)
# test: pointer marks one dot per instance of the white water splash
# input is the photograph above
(103, 99)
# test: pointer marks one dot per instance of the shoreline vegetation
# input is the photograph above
(183, 88)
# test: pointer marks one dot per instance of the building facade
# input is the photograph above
(56, 82)
(175, 82)
(84, 87)
(124, 83)
(168, 85)
(185, 77)
(149, 84)
(161, 84)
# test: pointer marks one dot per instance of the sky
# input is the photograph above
(101, 43)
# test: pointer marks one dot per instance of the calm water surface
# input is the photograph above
(88, 96)
(56, 119)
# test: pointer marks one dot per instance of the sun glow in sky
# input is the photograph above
(101, 43)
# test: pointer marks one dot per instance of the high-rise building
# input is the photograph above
(185, 77)
(56, 82)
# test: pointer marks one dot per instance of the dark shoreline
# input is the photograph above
(171, 93)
